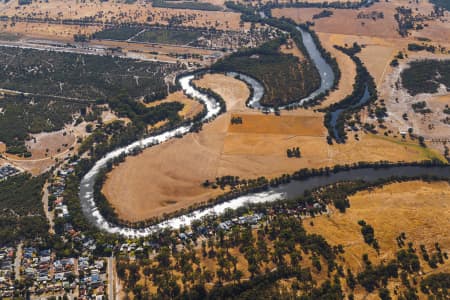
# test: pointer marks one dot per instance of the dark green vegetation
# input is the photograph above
(352, 103)
(186, 5)
(325, 4)
(87, 77)
(117, 134)
(441, 3)
(121, 33)
(285, 78)
(421, 47)
(236, 120)
(168, 36)
(140, 114)
(425, 76)
(21, 213)
(368, 234)
(323, 14)
(249, 14)
(294, 152)
(23, 115)
(421, 108)
(436, 284)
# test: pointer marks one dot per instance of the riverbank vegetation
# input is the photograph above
(364, 93)
(268, 250)
(249, 14)
(235, 187)
(425, 76)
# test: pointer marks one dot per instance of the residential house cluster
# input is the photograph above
(243, 220)
(7, 171)
(92, 278)
(7, 274)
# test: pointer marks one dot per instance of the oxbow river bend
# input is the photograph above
(293, 189)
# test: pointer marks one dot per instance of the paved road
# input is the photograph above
(111, 278)
(17, 261)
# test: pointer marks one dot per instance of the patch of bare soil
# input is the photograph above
(399, 102)
(48, 144)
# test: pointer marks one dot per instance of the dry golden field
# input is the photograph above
(421, 210)
(141, 12)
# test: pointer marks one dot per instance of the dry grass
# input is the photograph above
(233, 91)
(139, 11)
(420, 209)
(285, 125)
(291, 48)
(49, 144)
(346, 22)
(58, 32)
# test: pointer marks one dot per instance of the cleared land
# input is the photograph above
(47, 144)
(168, 177)
(421, 210)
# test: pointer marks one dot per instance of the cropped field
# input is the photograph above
(270, 124)
(121, 33)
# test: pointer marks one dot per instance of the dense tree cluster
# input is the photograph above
(21, 212)
(294, 152)
(425, 76)
(21, 116)
(86, 77)
(284, 77)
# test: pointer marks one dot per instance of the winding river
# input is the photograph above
(324, 69)
(293, 189)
